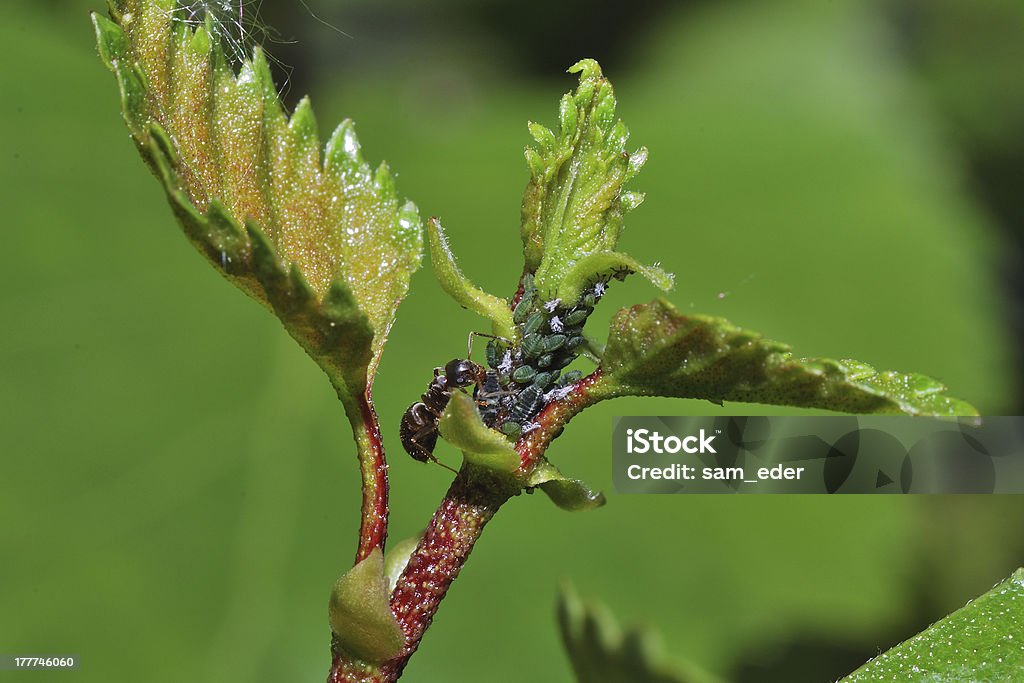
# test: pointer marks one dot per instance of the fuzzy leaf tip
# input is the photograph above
(574, 203)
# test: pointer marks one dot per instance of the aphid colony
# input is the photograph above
(519, 381)
(528, 376)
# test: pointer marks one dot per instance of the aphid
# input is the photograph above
(553, 342)
(512, 429)
(561, 360)
(546, 360)
(575, 317)
(533, 323)
(573, 343)
(528, 402)
(522, 310)
(589, 300)
(494, 346)
(419, 424)
(524, 374)
(493, 357)
(528, 287)
(572, 377)
(621, 272)
(533, 345)
(488, 396)
(545, 379)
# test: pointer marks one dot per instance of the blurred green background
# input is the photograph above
(179, 491)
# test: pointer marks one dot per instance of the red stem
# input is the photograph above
(373, 525)
(472, 500)
(553, 418)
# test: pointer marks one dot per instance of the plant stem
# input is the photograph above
(373, 469)
(472, 500)
(554, 417)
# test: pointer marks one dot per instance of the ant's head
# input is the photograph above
(461, 373)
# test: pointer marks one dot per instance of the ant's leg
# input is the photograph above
(422, 454)
(428, 433)
(469, 342)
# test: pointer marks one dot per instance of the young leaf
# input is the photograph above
(397, 558)
(574, 203)
(979, 642)
(653, 350)
(458, 286)
(582, 273)
(360, 615)
(600, 653)
(569, 494)
(462, 427)
(317, 236)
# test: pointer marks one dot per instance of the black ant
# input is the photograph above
(419, 424)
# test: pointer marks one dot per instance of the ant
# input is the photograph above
(419, 423)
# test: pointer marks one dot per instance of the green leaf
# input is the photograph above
(653, 350)
(983, 641)
(458, 286)
(600, 653)
(360, 615)
(462, 427)
(574, 204)
(569, 494)
(334, 330)
(583, 271)
(318, 236)
(397, 558)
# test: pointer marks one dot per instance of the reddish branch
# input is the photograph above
(373, 526)
(553, 418)
(471, 501)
